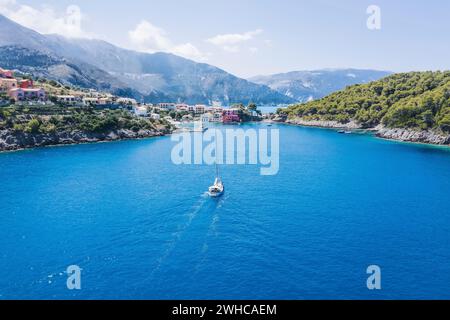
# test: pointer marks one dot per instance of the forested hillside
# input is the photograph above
(415, 100)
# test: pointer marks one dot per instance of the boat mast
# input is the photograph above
(217, 170)
(217, 166)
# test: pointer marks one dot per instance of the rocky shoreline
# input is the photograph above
(408, 135)
(11, 140)
(399, 134)
(324, 124)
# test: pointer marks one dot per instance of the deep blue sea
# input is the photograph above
(141, 227)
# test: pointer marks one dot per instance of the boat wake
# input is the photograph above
(203, 205)
(212, 232)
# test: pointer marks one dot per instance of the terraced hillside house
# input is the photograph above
(34, 94)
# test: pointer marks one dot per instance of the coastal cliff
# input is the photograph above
(11, 140)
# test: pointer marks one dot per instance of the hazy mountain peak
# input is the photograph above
(153, 77)
(314, 84)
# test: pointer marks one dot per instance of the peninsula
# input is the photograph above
(413, 107)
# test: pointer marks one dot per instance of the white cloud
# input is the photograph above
(45, 19)
(188, 50)
(233, 38)
(230, 42)
(147, 37)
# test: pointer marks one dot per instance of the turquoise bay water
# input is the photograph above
(141, 227)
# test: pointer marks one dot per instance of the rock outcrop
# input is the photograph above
(414, 136)
(11, 140)
(324, 124)
(401, 134)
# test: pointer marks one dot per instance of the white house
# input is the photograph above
(126, 101)
(206, 118)
(182, 107)
(155, 116)
(89, 100)
(200, 109)
(217, 117)
(140, 111)
(166, 106)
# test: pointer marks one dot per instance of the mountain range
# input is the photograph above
(157, 77)
(305, 86)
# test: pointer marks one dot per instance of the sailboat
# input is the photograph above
(217, 189)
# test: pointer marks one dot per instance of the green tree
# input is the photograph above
(252, 108)
(33, 126)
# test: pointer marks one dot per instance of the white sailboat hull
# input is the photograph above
(214, 194)
(217, 189)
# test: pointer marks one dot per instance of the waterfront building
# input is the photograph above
(231, 115)
(206, 117)
(217, 117)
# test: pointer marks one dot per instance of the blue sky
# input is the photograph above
(251, 37)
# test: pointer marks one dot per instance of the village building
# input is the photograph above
(7, 84)
(200, 109)
(166, 106)
(230, 115)
(26, 84)
(126, 101)
(216, 117)
(140, 111)
(206, 118)
(182, 107)
(155, 116)
(20, 94)
(8, 74)
(67, 99)
(20, 90)
(216, 109)
(104, 101)
(89, 101)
